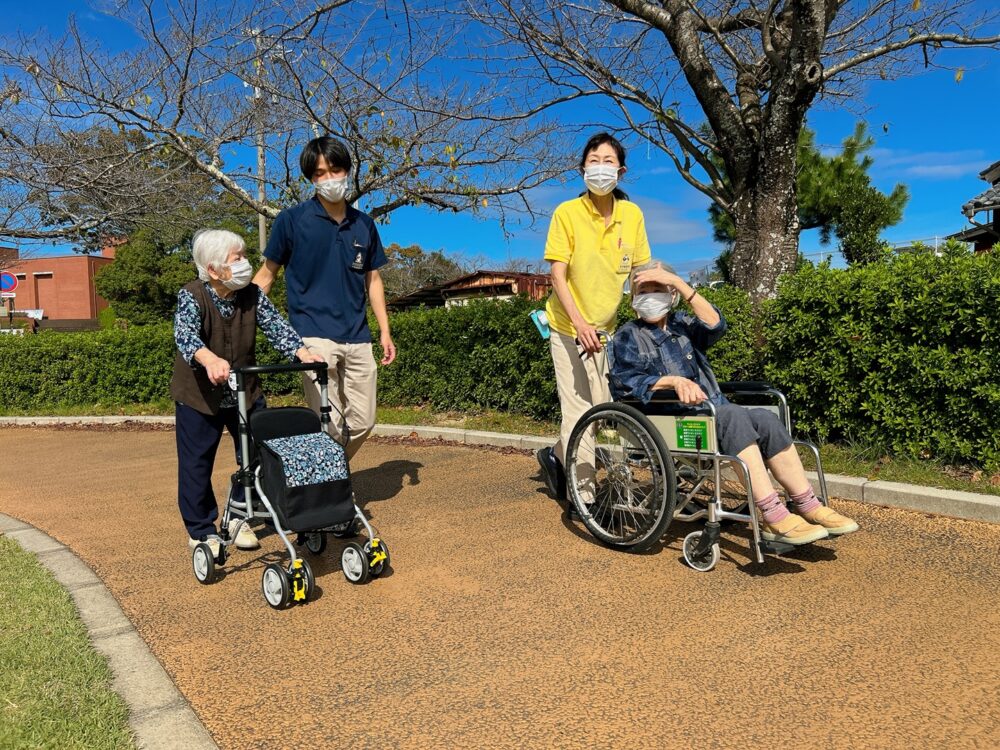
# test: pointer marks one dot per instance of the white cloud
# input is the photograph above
(666, 224)
(930, 164)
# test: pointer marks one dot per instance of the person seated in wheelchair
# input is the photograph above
(664, 349)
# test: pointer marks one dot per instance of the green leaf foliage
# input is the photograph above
(899, 354)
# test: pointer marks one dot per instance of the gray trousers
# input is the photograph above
(738, 428)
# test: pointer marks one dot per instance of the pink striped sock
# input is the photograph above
(805, 501)
(772, 508)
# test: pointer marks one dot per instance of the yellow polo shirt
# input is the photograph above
(598, 259)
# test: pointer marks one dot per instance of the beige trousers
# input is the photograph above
(352, 390)
(581, 382)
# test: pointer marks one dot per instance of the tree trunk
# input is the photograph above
(767, 223)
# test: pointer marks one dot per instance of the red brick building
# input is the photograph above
(62, 286)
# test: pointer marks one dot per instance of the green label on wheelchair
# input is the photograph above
(688, 432)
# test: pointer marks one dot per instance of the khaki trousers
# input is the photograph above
(581, 382)
(352, 390)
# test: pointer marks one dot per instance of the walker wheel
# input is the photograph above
(310, 579)
(203, 563)
(344, 530)
(704, 563)
(315, 542)
(378, 556)
(302, 580)
(275, 586)
(354, 562)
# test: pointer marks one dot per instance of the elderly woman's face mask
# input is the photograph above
(655, 304)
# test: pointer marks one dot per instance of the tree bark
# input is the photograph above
(767, 222)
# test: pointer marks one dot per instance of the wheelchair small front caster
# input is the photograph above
(703, 562)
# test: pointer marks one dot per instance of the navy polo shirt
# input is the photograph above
(325, 266)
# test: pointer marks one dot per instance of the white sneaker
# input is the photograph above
(213, 542)
(246, 539)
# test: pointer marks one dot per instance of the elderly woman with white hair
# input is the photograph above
(215, 329)
(666, 349)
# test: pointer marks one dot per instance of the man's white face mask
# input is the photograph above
(654, 306)
(600, 179)
(333, 190)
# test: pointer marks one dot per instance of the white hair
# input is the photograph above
(212, 248)
(648, 266)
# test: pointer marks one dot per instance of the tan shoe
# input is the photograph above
(792, 529)
(246, 539)
(213, 542)
(831, 520)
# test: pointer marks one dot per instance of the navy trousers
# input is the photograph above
(198, 437)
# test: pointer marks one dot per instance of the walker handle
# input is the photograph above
(272, 369)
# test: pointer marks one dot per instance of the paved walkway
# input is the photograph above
(501, 625)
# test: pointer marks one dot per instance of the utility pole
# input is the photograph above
(259, 116)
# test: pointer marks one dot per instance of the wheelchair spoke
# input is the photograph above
(618, 477)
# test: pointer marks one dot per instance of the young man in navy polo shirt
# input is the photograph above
(331, 253)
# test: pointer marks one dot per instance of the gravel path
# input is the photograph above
(501, 625)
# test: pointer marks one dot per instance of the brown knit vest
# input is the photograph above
(232, 339)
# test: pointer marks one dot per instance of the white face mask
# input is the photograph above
(654, 305)
(332, 190)
(600, 179)
(241, 272)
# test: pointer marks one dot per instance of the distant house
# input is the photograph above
(61, 286)
(478, 285)
(986, 232)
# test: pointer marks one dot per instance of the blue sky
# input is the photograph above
(932, 133)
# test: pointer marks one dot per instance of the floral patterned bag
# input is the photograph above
(307, 480)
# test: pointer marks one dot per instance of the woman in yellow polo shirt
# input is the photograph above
(593, 242)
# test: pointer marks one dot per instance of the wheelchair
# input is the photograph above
(632, 468)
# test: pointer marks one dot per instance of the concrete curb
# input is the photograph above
(971, 506)
(159, 715)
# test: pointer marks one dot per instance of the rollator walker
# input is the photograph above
(295, 477)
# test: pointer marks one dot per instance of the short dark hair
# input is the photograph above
(335, 152)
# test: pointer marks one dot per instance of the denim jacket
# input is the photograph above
(642, 353)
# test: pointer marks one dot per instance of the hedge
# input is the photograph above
(108, 367)
(900, 355)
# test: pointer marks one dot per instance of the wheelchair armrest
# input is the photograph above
(745, 386)
(666, 402)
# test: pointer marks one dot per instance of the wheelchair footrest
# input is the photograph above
(776, 548)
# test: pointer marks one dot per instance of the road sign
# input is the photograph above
(8, 282)
(5, 295)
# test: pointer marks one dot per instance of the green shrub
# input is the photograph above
(899, 354)
(108, 367)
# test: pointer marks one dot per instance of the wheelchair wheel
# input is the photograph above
(705, 562)
(620, 477)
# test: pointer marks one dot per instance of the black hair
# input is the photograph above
(335, 152)
(599, 140)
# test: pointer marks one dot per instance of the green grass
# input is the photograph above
(54, 687)
(850, 460)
